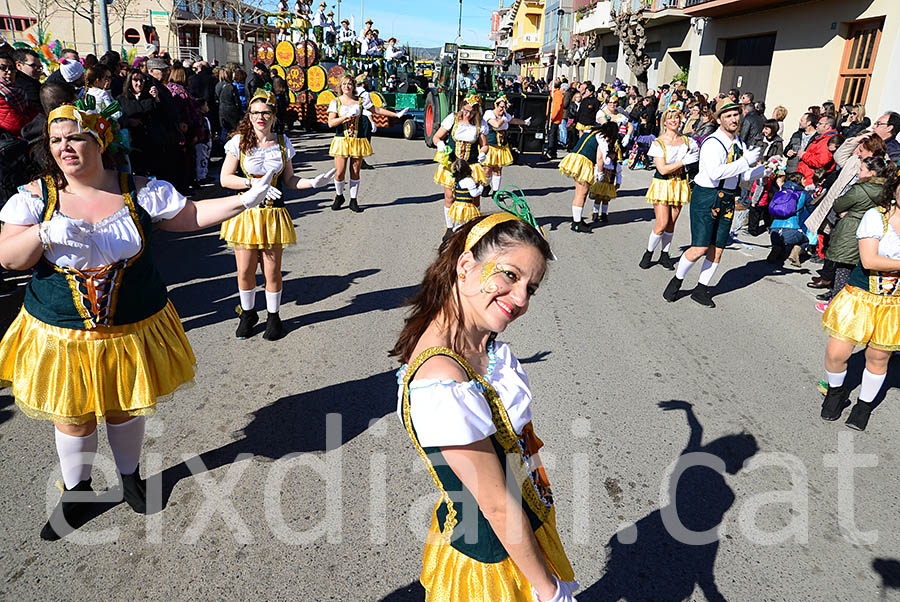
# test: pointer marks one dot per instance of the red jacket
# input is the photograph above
(15, 113)
(817, 155)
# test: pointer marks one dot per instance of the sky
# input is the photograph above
(423, 23)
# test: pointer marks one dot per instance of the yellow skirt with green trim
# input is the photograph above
(461, 212)
(74, 376)
(444, 177)
(864, 319)
(499, 156)
(578, 167)
(259, 228)
(603, 190)
(342, 146)
(673, 192)
(450, 576)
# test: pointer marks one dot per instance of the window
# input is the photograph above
(611, 53)
(858, 61)
(16, 23)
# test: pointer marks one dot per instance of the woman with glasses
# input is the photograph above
(460, 137)
(855, 121)
(496, 123)
(265, 230)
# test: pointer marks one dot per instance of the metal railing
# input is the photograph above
(689, 3)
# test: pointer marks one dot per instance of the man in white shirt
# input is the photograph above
(724, 160)
(330, 35)
(392, 52)
(346, 37)
(366, 29)
(318, 23)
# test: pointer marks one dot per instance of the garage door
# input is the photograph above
(746, 63)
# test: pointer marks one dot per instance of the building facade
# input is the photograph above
(521, 30)
(558, 21)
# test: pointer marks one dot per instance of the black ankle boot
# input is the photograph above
(671, 292)
(580, 227)
(338, 202)
(247, 321)
(274, 329)
(70, 513)
(134, 490)
(701, 295)
(666, 261)
(354, 206)
(646, 260)
(859, 416)
(836, 401)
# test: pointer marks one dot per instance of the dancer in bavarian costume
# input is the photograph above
(495, 123)
(608, 175)
(590, 150)
(97, 338)
(262, 231)
(465, 401)
(624, 130)
(669, 190)
(352, 138)
(466, 192)
(724, 160)
(460, 136)
(866, 312)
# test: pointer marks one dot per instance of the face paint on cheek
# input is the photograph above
(490, 284)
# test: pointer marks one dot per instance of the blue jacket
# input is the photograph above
(793, 222)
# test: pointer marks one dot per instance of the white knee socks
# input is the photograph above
(248, 299)
(871, 384)
(604, 208)
(354, 189)
(654, 240)
(339, 187)
(707, 271)
(596, 207)
(273, 301)
(75, 456)
(126, 440)
(684, 266)
(495, 182)
(576, 213)
(667, 241)
(447, 221)
(835, 379)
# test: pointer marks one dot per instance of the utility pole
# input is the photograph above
(104, 27)
(458, 44)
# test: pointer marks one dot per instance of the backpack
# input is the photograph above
(15, 165)
(784, 203)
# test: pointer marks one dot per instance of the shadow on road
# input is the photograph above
(887, 568)
(646, 561)
(414, 592)
(6, 401)
(382, 300)
(750, 273)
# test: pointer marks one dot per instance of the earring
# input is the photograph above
(462, 277)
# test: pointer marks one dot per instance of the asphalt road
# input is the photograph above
(261, 504)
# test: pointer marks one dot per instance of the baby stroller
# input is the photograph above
(639, 150)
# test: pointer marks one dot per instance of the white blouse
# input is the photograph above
(465, 132)
(112, 239)
(447, 412)
(504, 121)
(673, 154)
(260, 160)
(872, 226)
(342, 110)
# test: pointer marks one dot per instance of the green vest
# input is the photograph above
(359, 127)
(125, 292)
(587, 145)
(462, 195)
(277, 180)
(873, 281)
(467, 151)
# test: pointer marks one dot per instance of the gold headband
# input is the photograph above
(266, 95)
(88, 123)
(485, 226)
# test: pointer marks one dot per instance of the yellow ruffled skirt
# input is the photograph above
(342, 146)
(674, 192)
(499, 156)
(74, 376)
(450, 576)
(460, 213)
(864, 319)
(444, 177)
(259, 228)
(603, 190)
(578, 167)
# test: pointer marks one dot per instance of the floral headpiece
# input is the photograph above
(503, 97)
(100, 125)
(473, 98)
(777, 165)
(265, 94)
(512, 201)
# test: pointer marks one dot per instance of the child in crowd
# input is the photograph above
(202, 147)
(786, 234)
(467, 196)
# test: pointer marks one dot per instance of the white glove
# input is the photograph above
(564, 591)
(273, 194)
(598, 173)
(626, 140)
(482, 157)
(528, 121)
(403, 112)
(259, 188)
(63, 232)
(440, 146)
(752, 154)
(691, 158)
(323, 178)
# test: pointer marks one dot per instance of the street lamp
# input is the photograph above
(559, 15)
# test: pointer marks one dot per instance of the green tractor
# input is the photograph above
(480, 67)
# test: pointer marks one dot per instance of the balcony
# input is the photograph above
(730, 8)
(593, 17)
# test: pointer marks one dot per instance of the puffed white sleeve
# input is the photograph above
(22, 209)
(656, 150)
(448, 122)
(289, 150)
(333, 106)
(870, 226)
(447, 412)
(366, 101)
(472, 186)
(160, 199)
(233, 146)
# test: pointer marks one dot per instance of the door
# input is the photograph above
(610, 55)
(746, 63)
(858, 62)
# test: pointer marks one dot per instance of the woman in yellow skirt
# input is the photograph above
(669, 190)
(460, 137)
(496, 123)
(866, 312)
(465, 402)
(581, 165)
(352, 138)
(265, 230)
(97, 338)
(466, 193)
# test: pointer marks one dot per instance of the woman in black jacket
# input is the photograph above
(230, 108)
(144, 118)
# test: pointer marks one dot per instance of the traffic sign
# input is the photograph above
(132, 35)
